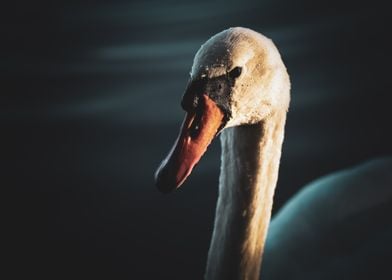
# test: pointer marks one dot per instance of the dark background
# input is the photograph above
(90, 105)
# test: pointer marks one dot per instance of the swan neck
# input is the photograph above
(249, 172)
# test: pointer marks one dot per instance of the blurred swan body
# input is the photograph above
(337, 227)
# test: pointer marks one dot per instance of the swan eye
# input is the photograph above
(235, 72)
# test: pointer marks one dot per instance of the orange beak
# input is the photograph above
(197, 131)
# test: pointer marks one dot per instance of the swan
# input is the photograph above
(239, 88)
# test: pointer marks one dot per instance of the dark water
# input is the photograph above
(90, 105)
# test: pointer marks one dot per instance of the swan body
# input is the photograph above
(336, 227)
(238, 86)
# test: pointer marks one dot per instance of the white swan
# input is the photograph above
(240, 84)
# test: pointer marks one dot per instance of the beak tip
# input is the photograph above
(162, 181)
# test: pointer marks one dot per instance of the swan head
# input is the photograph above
(237, 78)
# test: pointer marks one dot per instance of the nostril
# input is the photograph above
(194, 131)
